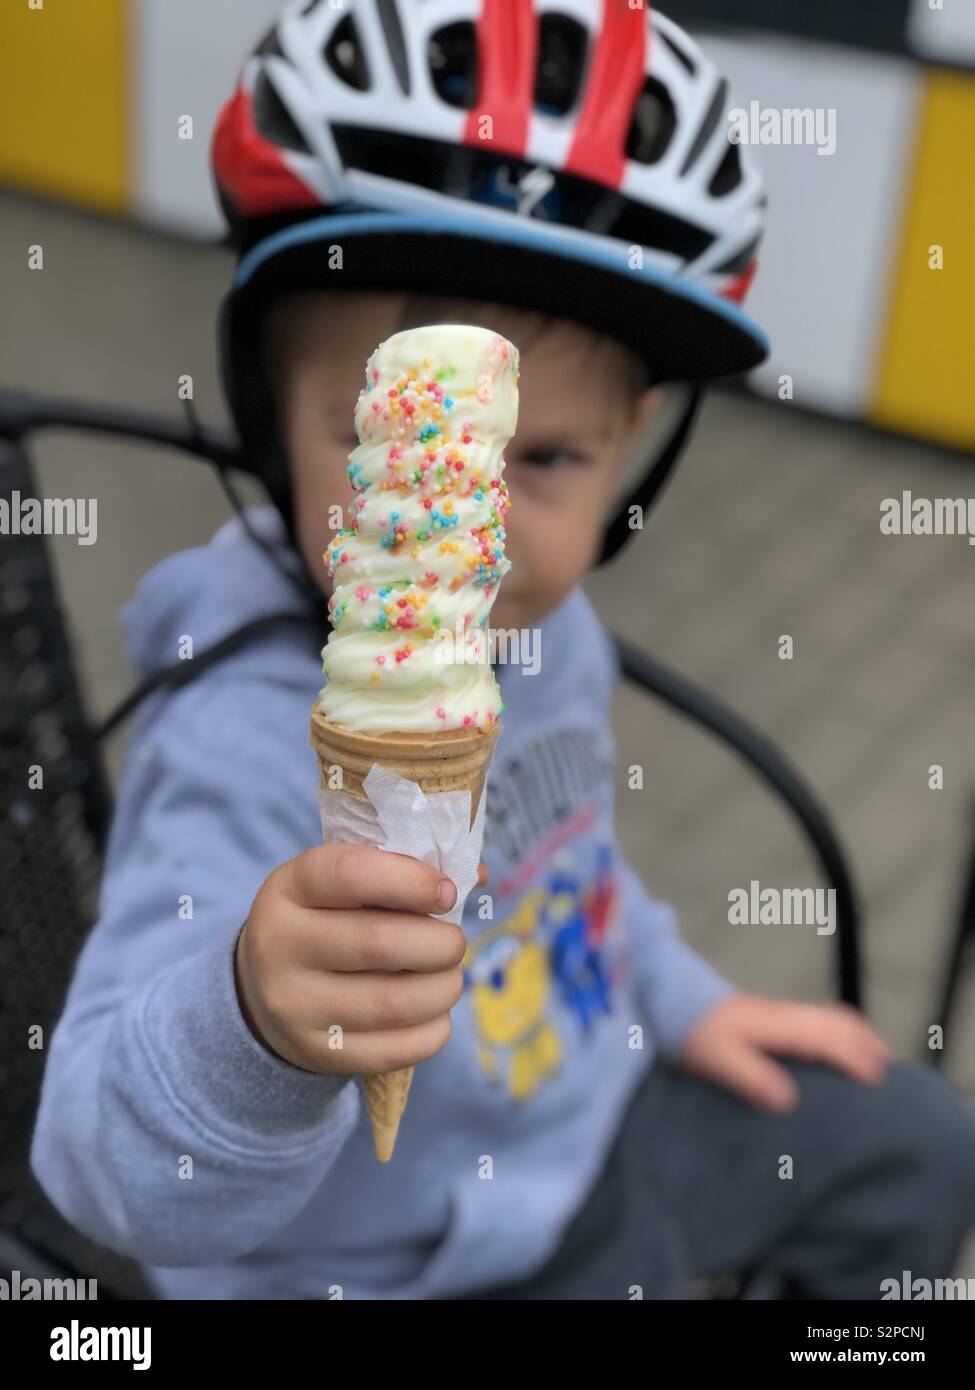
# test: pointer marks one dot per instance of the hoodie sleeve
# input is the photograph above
(675, 985)
(165, 1130)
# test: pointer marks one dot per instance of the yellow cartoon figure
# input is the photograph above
(509, 982)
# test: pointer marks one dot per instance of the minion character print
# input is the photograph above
(551, 949)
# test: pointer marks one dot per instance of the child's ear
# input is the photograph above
(647, 403)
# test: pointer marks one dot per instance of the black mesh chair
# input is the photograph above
(55, 820)
(55, 816)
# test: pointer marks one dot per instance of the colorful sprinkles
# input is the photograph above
(421, 493)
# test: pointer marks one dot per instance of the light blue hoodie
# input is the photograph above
(167, 1131)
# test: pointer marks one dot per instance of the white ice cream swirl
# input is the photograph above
(416, 571)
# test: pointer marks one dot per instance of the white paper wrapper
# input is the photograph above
(399, 817)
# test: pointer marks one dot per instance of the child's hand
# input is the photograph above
(732, 1043)
(324, 929)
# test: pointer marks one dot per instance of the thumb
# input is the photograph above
(754, 1077)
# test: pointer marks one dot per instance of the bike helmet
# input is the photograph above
(569, 156)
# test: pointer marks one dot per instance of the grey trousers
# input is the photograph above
(699, 1183)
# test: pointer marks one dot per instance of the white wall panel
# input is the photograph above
(833, 221)
(947, 34)
(187, 57)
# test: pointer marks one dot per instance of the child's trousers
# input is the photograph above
(857, 1185)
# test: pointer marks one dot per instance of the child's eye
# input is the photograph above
(550, 458)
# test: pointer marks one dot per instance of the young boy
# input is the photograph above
(595, 1111)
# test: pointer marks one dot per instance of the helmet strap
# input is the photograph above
(648, 489)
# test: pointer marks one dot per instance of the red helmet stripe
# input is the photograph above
(507, 48)
(616, 77)
(251, 170)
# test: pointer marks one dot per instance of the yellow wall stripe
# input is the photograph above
(63, 116)
(926, 382)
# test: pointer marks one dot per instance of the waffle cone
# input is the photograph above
(455, 760)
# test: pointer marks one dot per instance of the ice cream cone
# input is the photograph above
(386, 1099)
(420, 559)
(445, 761)
(452, 760)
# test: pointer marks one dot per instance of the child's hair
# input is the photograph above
(524, 327)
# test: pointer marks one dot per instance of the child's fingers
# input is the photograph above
(362, 876)
(366, 1054)
(756, 1078)
(853, 1047)
(851, 1018)
(838, 1036)
(372, 939)
(374, 1000)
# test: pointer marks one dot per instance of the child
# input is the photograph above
(595, 1110)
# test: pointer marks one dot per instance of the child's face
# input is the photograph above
(580, 404)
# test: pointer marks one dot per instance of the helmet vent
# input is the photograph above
(685, 59)
(562, 47)
(452, 55)
(393, 29)
(270, 44)
(728, 174)
(741, 260)
(653, 125)
(346, 56)
(708, 126)
(273, 119)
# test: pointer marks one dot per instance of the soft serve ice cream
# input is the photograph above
(416, 571)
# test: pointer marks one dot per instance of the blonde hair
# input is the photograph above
(287, 320)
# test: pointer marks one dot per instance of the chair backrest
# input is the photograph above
(55, 808)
